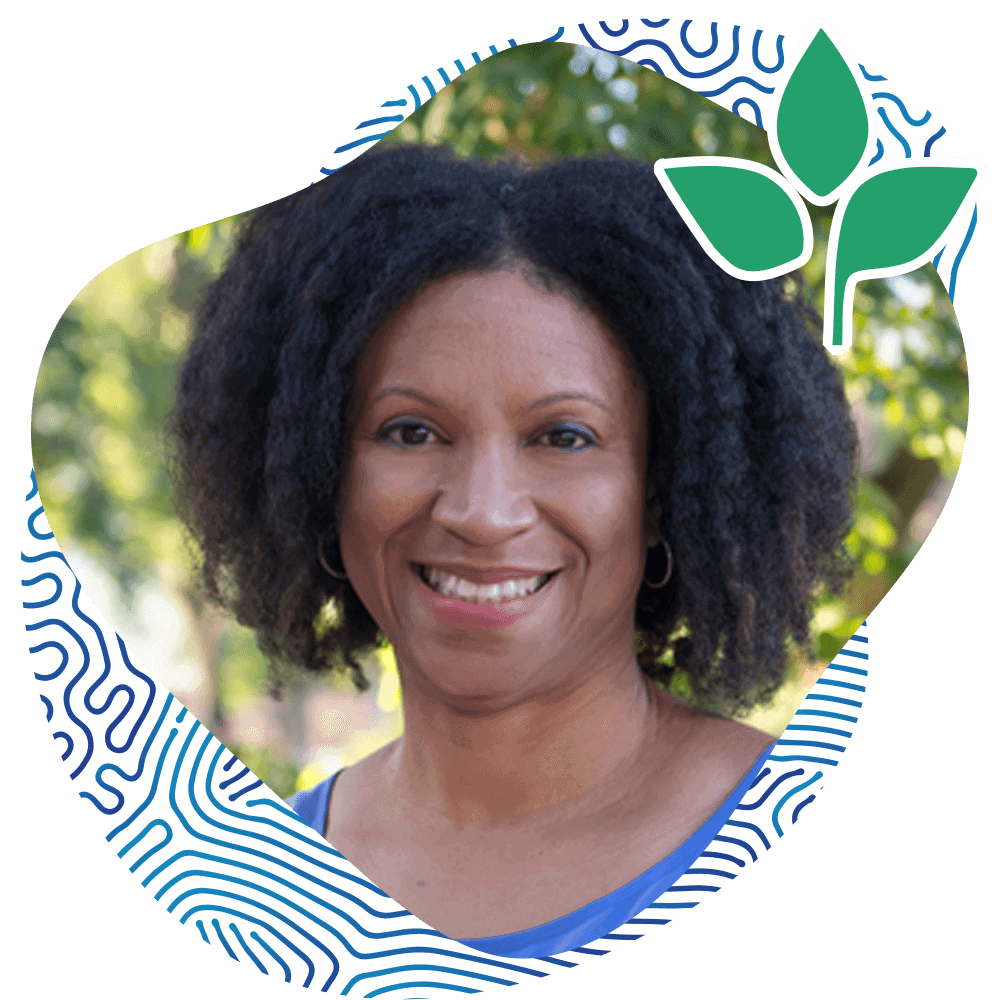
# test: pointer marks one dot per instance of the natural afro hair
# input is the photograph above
(752, 447)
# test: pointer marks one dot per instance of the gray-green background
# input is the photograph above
(128, 123)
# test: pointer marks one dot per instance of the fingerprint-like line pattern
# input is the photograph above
(755, 53)
(752, 105)
(933, 139)
(953, 279)
(691, 51)
(257, 883)
(684, 71)
(783, 789)
(885, 95)
(296, 906)
(895, 133)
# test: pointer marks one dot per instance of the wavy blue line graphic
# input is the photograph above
(155, 823)
(826, 715)
(869, 77)
(748, 806)
(44, 555)
(750, 103)
(45, 601)
(419, 968)
(253, 958)
(42, 537)
(934, 138)
(721, 857)
(888, 124)
(69, 743)
(614, 32)
(738, 843)
(222, 938)
(714, 27)
(382, 121)
(51, 644)
(784, 798)
(820, 729)
(800, 807)
(841, 684)
(885, 95)
(853, 652)
(733, 82)
(284, 965)
(656, 43)
(755, 52)
(844, 668)
(961, 253)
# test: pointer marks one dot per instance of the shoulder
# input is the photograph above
(720, 750)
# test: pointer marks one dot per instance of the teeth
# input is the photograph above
(488, 593)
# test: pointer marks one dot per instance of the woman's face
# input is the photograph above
(493, 520)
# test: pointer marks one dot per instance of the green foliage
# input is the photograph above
(104, 388)
(277, 772)
(106, 380)
(538, 100)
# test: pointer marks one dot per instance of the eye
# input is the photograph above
(407, 434)
(568, 437)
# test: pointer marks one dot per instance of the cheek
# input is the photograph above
(380, 496)
(605, 512)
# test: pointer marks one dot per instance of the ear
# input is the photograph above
(653, 515)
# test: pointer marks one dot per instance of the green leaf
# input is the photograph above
(892, 222)
(822, 124)
(746, 217)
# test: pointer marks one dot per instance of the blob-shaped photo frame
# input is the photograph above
(160, 727)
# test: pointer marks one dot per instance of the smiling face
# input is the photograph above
(493, 518)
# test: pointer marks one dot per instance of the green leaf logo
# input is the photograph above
(822, 126)
(893, 218)
(753, 222)
(746, 217)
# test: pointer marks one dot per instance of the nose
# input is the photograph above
(484, 497)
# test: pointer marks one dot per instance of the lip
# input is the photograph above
(464, 614)
(491, 574)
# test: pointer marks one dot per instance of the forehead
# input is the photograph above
(499, 330)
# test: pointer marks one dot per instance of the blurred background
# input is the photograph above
(106, 384)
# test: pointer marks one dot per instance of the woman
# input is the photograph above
(517, 423)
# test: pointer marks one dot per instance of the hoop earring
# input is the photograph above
(321, 555)
(667, 573)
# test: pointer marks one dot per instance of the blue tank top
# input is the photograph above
(589, 922)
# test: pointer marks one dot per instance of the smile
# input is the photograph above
(457, 587)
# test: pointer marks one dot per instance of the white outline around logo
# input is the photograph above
(958, 221)
(660, 169)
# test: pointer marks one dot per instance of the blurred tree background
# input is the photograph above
(106, 384)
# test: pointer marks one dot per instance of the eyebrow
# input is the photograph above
(556, 397)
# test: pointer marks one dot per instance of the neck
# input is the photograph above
(530, 757)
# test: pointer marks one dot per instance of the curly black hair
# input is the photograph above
(752, 448)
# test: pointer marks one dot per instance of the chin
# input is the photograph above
(462, 670)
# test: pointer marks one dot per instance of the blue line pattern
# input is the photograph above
(250, 878)
(734, 66)
(204, 837)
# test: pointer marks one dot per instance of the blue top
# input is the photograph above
(589, 922)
